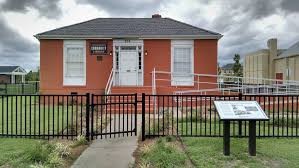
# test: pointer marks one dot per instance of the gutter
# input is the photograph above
(39, 37)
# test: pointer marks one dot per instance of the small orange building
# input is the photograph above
(119, 55)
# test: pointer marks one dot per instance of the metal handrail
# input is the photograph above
(240, 84)
(109, 82)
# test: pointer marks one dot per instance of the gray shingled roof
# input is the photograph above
(7, 69)
(293, 50)
(228, 66)
(129, 27)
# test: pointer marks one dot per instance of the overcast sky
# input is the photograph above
(246, 25)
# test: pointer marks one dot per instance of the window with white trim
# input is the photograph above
(182, 62)
(74, 63)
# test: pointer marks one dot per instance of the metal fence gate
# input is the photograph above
(113, 115)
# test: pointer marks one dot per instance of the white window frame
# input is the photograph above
(183, 44)
(72, 44)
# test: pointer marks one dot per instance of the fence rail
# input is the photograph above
(42, 116)
(195, 115)
(106, 116)
(19, 88)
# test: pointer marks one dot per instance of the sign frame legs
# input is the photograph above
(226, 138)
(252, 138)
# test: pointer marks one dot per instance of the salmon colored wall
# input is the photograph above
(51, 69)
(158, 56)
(97, 72)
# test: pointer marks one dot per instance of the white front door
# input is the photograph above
(128, 71)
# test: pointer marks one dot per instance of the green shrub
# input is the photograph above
(62, 150)
(163, 154)
(40, 152)
(80, 140)
(54, 160)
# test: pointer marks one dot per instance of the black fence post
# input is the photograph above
(136, 104)
(36, 87)
(5, 88)
(92, 117)
(143, 117)
(87, 116)
(22, 88)
(240, 122)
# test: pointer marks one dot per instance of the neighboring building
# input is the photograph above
(12, 74)
(227, 69)
(80, 57)
(272, 63)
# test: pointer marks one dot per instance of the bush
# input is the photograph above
(40, 152)
(163, 154)
(80, 140)
(62, 150)
(48, 155)
(54, 160)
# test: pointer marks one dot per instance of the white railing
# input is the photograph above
(109, 82)
(237, 84)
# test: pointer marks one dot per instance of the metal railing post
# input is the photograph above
(143, 118)
(136, 104)
(87, 135)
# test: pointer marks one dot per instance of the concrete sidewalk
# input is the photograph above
(110, 153)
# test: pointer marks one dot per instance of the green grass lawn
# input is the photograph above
(208, 152)
(271, 152)
(25, 153)
(14, 152)
(26, 116)
(213, 127)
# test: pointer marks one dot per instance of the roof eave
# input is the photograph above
(39, 37)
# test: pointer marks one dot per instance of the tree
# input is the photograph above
(237, 67)
(32, 76)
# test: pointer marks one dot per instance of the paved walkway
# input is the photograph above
(109, 153)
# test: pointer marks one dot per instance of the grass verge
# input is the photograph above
(167, 152)
(162, 152)
(21, 153)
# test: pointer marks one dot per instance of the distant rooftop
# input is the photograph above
(10, 69)
(228, 66)
(292, 51)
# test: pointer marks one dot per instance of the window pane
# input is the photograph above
(74, 55)
(182, 60)
(74, 65)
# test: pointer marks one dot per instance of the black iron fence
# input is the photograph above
(19, 88)
(67, 116)
(113, 115)
(109, 116)
(43, 116)
(195, 115)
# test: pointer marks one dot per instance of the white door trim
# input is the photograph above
(140, 73)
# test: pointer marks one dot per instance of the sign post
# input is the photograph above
(240, 111)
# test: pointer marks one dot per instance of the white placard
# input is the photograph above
(240, 110)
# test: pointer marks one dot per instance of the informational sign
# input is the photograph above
(98, 48)
(240, 110)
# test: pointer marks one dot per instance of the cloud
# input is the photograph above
(122, 8)
(246, 25)
(46, 8)
(15, 49)
(290, 5)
